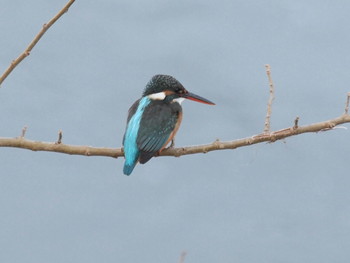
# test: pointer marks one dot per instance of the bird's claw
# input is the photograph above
(172, 144)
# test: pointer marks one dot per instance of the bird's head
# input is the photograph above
(165, 87)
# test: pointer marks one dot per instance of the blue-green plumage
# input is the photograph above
(131, 149)
(158, 122)
(154, 120)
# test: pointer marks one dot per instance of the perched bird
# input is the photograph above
(154, 119)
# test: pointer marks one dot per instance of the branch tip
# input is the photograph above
(267, 126)
(60, 134)
(296, 123)
(24, 130)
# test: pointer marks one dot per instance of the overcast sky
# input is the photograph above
(288, 201)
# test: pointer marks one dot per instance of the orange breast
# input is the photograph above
(172, 135)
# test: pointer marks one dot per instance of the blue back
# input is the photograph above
(131, 150)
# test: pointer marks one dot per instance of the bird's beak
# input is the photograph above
(194, 97)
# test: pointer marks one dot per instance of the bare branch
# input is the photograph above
(215, 146)
(60, 148)
(27, 51)
(271, 98)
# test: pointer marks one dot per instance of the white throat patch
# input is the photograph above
(157, 96)
(178, 100)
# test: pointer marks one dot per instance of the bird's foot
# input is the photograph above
(172, 144)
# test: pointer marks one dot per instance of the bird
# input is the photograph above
(154, 119)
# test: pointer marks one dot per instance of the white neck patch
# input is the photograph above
(157, 96)
(178, 100)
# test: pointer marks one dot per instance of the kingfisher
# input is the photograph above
(154, 119)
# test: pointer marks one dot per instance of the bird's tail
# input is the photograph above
(129, 167)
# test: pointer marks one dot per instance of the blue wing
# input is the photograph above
(157, 124)
(131, 150)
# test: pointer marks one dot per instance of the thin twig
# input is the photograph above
(347, 104)
(296, 123)
(176, 152)
(59, 141)
(24, 130)
(267, 126)
(27, 51)
(182, 257)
